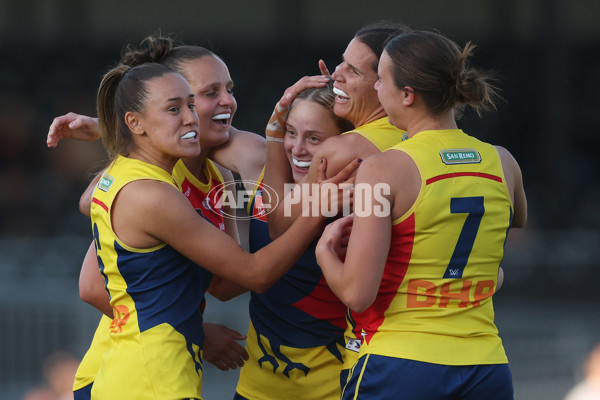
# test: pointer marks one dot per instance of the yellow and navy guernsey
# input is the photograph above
(157, 297)
(435, 299)
(383, 135)
(296, 335)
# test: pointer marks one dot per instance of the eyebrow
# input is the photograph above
(179, 98)
(218, 83)
(309, 132)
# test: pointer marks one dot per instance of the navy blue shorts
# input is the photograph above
(380, 377)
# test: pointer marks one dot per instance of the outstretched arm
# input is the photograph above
(72, 126)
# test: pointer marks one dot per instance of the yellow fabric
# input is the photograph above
(275, 385)
(425, 310)
(381, 133)
(156, 295)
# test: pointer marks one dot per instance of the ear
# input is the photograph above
(408, 96)
(134, 123)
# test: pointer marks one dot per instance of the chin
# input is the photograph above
(340, 110)
(298, 177)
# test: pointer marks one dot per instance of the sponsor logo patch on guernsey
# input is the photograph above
(353, 344)
(460, 156)
(105, 182)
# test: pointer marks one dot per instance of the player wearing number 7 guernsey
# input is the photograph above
(420, 278)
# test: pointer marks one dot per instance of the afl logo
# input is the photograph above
(233, 199)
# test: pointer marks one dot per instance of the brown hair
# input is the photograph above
(376, 36)
(325, 97)
(438, 70)
(123, 89)
(163, 50)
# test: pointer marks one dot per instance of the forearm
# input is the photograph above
(91, 284)
(224, 290)
(291, 207)
(273, 261)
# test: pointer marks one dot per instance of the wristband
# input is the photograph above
(274, 139)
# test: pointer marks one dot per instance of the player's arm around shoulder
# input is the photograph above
(141, 219)
(514, 181)
(339, 151)
(244, 153)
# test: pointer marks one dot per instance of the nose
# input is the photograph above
(337, 73)
(227, 99)
(190, 116)
(298, 148)
(377, 85)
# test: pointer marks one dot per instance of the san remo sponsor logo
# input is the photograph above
(326, 199)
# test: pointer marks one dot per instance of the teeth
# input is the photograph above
(340, 92)
(189, 135)
(222, 116)
(301, 164)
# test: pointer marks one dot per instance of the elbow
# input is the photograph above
(358, 306)
(261, 285)
(223, 295)
(519, 221)
(85, 203)
(274, 233)
(359, 303)
(85, 294)
(260, 288)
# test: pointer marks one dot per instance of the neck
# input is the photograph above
(374, 116)
(196, 165)
(431, 123)
(166, 163)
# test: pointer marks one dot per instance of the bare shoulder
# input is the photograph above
(386, 165)
(351, 143)
(505, 155)
(510, 166)
(247, 137)
(227, 174)
(341, 150)
(245, 153)
(147, 194)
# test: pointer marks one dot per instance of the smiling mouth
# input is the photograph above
(190, 135)
(222, 118)
(340, 94)
(301, 164)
